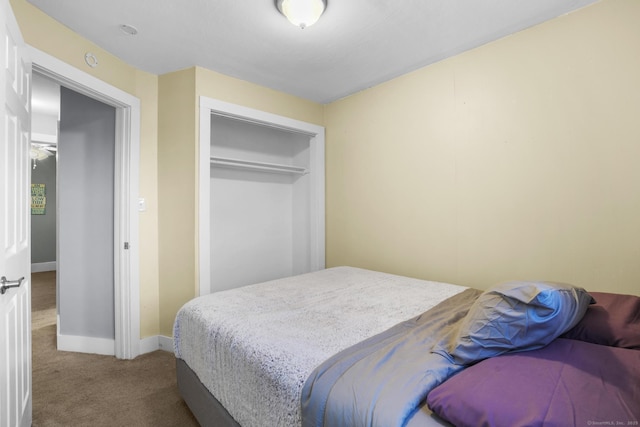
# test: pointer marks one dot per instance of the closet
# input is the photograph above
(265, 199)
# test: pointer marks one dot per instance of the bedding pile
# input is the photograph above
(588, 376)
(384, 381)
(266, 339)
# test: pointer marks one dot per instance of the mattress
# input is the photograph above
(254, 347)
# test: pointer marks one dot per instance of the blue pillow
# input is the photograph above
(516, 316)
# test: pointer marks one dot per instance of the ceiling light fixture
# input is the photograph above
(302, 13)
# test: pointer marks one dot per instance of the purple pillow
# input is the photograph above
(613, 320)
(569, 382)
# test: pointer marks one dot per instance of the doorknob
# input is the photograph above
(6, 284)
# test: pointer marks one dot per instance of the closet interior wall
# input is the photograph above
(259, 203)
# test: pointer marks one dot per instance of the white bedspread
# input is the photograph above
(254, 347)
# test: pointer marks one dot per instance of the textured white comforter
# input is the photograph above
(254, 347)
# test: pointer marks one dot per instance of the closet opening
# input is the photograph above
(259, 203)
(261, 196)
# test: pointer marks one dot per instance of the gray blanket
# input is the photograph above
(383, 380)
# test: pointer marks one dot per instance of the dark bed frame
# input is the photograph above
(206, 408)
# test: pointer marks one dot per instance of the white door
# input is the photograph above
(15, 293)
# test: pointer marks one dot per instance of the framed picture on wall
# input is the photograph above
(38, 199)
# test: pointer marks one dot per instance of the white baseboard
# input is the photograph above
(39, 267)
(107, 346)
(156, 342)
(78, 344)
(90, 345)
(149, 344)
(165, 343)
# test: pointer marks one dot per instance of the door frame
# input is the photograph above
(126, 186)
(210, 106)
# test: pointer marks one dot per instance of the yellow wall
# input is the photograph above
(147, 91)
(516, 160)
(224, 88)
(177, 183)
(47, 35)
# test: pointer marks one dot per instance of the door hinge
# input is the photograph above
(126, 245)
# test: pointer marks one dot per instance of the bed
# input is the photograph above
(347, 346)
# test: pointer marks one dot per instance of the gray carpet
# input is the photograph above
(74, 389)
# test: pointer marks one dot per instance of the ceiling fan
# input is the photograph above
(40, 151)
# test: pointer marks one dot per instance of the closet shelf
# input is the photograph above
(261, 166)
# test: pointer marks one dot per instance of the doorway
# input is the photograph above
(125, 234)
(73, 217)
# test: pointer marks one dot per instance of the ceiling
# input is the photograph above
(356, 44)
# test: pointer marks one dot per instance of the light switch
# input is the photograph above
(142, 205)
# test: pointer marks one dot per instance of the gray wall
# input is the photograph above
(43, 227)
(85, 182)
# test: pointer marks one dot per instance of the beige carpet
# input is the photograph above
(74, 389)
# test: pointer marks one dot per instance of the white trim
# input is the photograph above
(149, 344)
(232, 163)
(209, 106)
(91, 345)
(165, 343)
(204, 225)
(39, 267)
(317, 201)
(227, 109)
(43, 137)
(126, 268)
(156, 342)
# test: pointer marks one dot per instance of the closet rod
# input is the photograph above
(261, 166)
